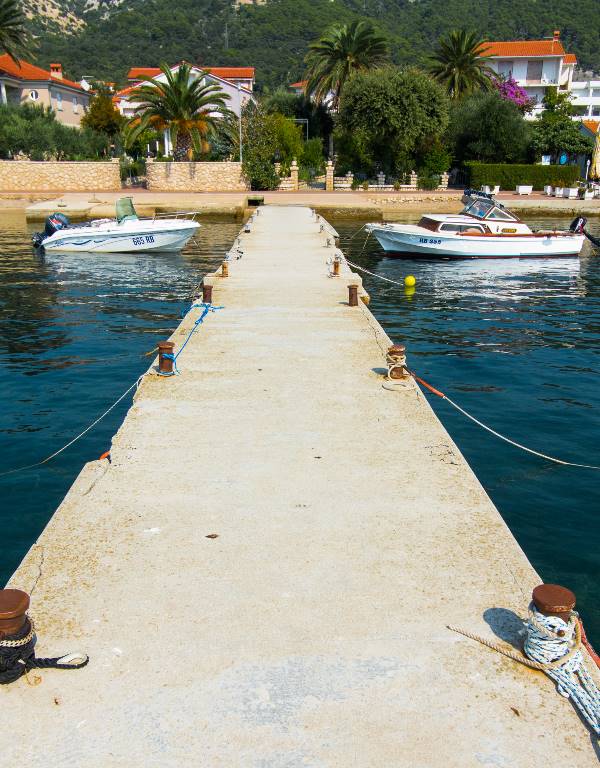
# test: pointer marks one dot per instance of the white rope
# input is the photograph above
(515, 444)
(550, 639)
(79, 436)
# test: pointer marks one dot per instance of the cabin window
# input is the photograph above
(500, 215)
(461, 228)
(429, 224)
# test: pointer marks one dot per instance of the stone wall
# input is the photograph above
(55, 176)
(195, 177)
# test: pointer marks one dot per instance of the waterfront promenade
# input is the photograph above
(311, 631)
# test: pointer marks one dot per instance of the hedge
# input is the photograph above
(508, 176)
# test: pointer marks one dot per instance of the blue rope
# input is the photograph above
(206, 308)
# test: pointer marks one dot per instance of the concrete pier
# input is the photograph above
(263, 574)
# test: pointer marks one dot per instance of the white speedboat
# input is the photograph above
(483, 229)
(127, 233)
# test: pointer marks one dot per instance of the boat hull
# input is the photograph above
(96, 240)
(435, 246)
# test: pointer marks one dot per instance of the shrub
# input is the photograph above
(508, 176)
(429, 181)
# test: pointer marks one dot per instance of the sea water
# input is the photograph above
(514, 342)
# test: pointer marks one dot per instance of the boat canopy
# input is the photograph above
(125, 210)
(487, 209)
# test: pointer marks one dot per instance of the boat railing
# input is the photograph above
(176, 215)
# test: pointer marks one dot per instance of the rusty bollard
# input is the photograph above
(396, 362)
(165, 357)
(13, 612)
(353, 295)
(207, 293)
(336, 266)
(225, 269)
(554, 600)
(17, 639)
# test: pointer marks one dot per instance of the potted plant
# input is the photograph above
(524, 189)
(548, 189)
(558, 188)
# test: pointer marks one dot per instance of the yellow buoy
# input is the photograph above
(409, 281)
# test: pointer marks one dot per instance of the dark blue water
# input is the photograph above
(516, 343)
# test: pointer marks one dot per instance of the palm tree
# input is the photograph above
(344, 49)
(13, 34)
(188, 107)
(459, 63)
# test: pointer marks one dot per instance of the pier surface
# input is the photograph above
(311, 631)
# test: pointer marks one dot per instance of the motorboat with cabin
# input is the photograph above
(126, 233)
(483, 229)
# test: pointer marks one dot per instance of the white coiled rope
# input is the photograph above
(556, 644)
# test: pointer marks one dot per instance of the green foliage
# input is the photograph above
(555, 132)
(102, 115)
(508, 176)
(312, 158)
(130, 168)
(14, 38)
(343, 49)
(35, 133)
(300, 107)
(488, 128)
(459, 64)
(387, 116)
(192, 110)
(428, 181)
(433, 158)
(274, 37)
(288, 139)
(259, 138)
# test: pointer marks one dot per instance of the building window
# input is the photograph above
(75, 105)
(59, 102)
(34, 95)
(595, 111)
(534, 70)
(505, 69)
(596, 93)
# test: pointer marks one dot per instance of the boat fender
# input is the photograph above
(578, 224)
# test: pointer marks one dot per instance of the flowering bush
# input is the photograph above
(510, 90)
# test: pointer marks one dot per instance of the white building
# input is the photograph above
(238, 85)
(586, 99)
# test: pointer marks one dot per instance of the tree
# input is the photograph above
(344, 49)
(556, 132)
(488, 128)
(288, 139)
(189, 108)
(102, 115)
(259, 138)
(460, 65)
(386, 116)
(14, 39)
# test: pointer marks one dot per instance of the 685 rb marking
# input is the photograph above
(143, 239)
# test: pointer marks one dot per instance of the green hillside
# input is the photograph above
(273, 37)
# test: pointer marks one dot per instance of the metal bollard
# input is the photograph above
(336, 266)
(13, 611)
(353, 295)
(396, 362)
(165, 357)
(207, 293)
(225, 269)
(554, 600)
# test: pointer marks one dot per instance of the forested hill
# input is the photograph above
(273, 37)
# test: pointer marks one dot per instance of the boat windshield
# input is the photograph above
(125, 210)
(486, 209)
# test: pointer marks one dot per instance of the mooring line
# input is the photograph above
(443, 396)
(79, 436)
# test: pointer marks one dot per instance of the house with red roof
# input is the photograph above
(25, 83)
(242, 76)
(534, 64)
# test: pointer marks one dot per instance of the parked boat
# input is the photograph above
(126, 233)
(483, 229)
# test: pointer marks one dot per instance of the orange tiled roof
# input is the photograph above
(591, 125)
(26, 71)
(139, 73)
(299, 84)
(570, 58)
(517, 48)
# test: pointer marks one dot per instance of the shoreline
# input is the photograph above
(381, 206)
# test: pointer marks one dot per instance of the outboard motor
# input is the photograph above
(54, 223)
(578, 224)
